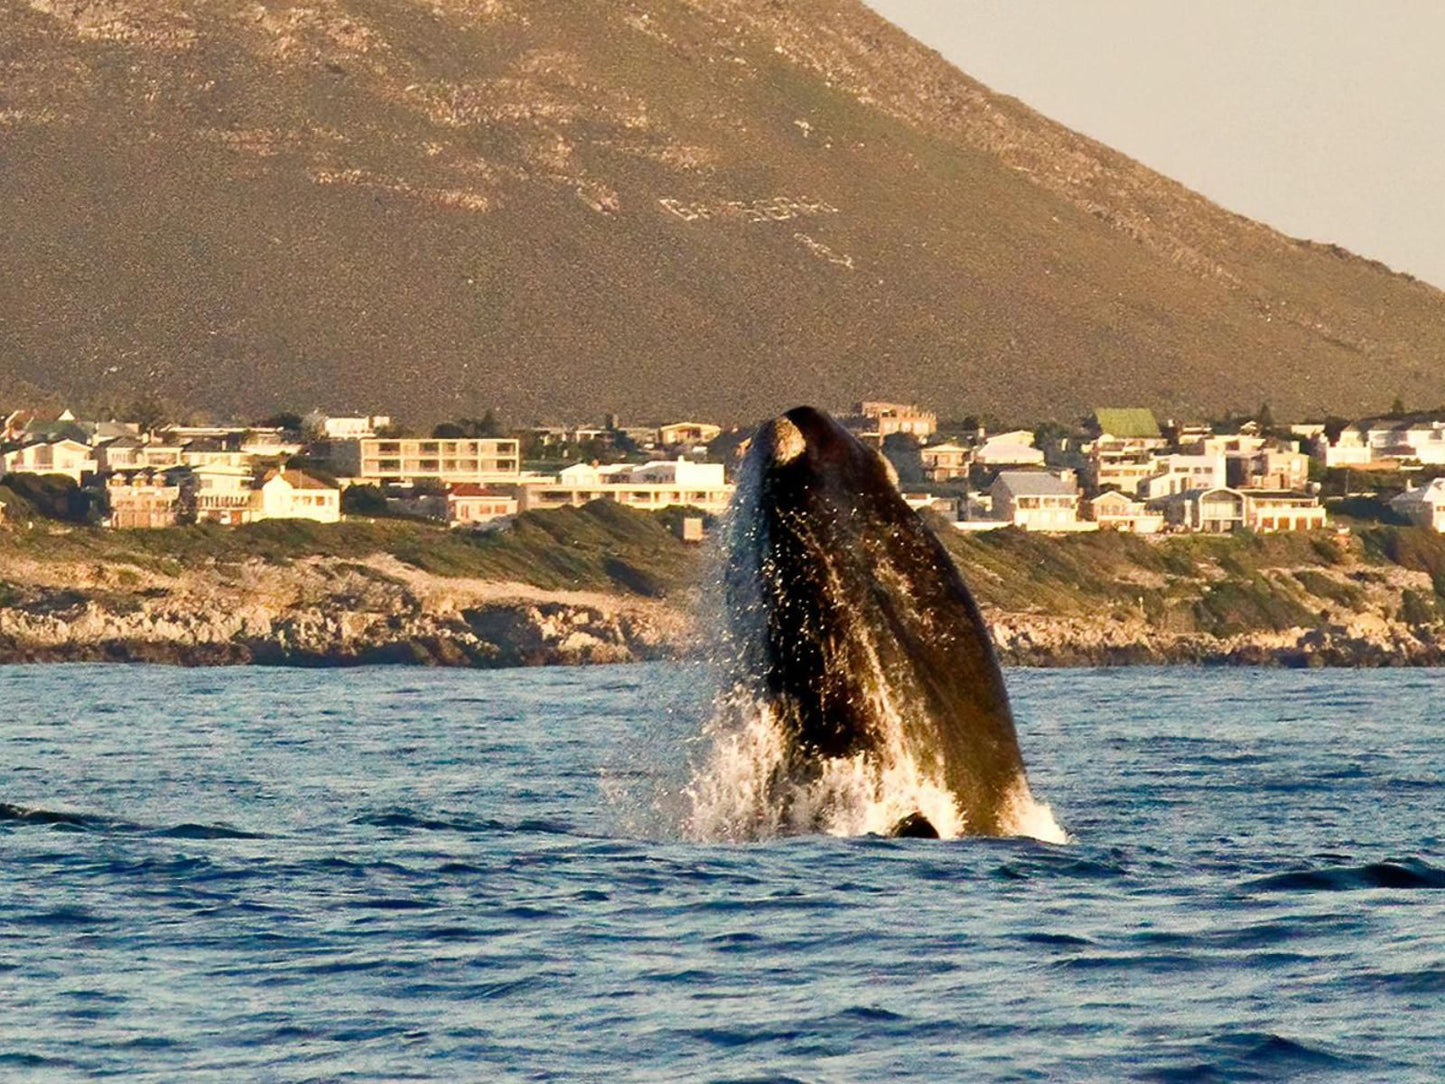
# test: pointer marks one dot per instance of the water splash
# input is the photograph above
(744, 789)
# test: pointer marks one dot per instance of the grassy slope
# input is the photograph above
(601, 547)
(1183, 584)
(1221, 585)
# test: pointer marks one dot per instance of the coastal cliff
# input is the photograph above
(604, 584)
(323, 612)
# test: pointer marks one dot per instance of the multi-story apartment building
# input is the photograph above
(1180, 473)
(222, 495)
(649, 486)
(1420, 439)
(408, 460)
(878, 421)
(1270, 468)
(945, 462)
(1120, 453)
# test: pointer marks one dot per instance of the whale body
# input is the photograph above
(848, 619)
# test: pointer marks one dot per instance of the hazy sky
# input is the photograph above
(1323, 118)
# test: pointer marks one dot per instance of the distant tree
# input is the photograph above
(290, 422)
(363, 501)
(902, 450)
(599, 450)
(149, 412)
(1047, 432)
(320, 469)
(1334, 426)
(1397, 408)
(54, 496)
(1264, 418)
(489, 426)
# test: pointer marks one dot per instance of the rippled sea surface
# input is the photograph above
(393, 875)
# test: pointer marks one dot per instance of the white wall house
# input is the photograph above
(223, 495)
(1014, 449)
(945, 461)
(1213, 511)
(1174, 474)
(68, 457)
(655, 485)
(1423, 441)
(324, 427)
(1423, 506)
(294, 494)
(121, 453)
(1036, 501)
(1349, 449)
(1115, 511)
(691, 433)
(1284, 510)
(473, 506)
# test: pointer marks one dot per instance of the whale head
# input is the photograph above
(847, 616)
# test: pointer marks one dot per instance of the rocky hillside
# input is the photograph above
(604, 584)
(661, 206)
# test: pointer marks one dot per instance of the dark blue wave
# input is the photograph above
(1409, 873)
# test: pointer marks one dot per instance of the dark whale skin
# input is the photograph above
(845, 610)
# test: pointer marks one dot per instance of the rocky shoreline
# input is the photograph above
(1028, 640)
(324, 612)
(415, 596)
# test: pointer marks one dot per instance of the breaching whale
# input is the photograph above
(849, 622)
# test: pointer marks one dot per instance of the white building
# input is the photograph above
(878, 421)
(473, 506)
(144, 499)
(1015, 449)
(294, 494)
(1421, 439)
(1214, 511)
(223, 495)
(408, 460)
(945, 461)
(68, 457)
(656, 485)
(1115, 511)
(690, 434)
(321, 426)
(1349, 449)
(1270, 468)
(1180, 473)
(1423, 506)
(120, 453)
(1036, 501)
(1269, 511)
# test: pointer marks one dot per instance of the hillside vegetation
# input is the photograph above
(1376, 598)
(558, 207)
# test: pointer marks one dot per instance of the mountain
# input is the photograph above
(662, 207)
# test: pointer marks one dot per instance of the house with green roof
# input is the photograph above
(1121, 453)
(1125, 423)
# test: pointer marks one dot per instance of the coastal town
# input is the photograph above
(1120, 469)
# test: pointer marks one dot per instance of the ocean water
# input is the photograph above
(396, 874)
